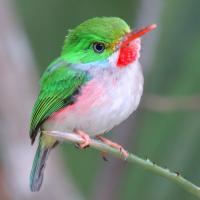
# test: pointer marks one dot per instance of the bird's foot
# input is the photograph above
(114, 145)
(85, 137)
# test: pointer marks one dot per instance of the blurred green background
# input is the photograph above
(169, 138)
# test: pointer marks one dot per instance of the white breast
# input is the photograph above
(107, 100)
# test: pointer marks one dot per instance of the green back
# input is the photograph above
(59, 85)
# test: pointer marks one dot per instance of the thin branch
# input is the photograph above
(146, 164)
(160, 103)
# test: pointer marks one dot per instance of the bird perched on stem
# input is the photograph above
(94, 85)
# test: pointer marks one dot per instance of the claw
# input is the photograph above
(114, 145)
(123, 152)
(86, 139)
(77, 145)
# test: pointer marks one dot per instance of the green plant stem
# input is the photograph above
(146, 164)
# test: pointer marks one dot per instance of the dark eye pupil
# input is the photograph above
(98, 47)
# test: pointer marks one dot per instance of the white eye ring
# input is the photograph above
(98, 47)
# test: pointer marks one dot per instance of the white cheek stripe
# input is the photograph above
(113, 59)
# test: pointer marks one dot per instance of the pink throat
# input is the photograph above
(129, 53)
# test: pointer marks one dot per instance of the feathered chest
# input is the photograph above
(106, 100)
(117, 87)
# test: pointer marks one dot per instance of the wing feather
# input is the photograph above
(58, 88)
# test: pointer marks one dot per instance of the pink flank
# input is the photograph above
(91, 96)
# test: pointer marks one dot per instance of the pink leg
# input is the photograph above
(85, 137)
(114, 145)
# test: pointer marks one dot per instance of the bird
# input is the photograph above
(95, 84)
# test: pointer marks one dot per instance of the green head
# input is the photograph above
(95, 39)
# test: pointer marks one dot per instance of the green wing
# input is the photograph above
(58, 86)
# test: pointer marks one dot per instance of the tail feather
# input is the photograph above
(37, 171)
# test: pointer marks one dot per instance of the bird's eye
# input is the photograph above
(98, 47)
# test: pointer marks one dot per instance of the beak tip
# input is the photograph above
(136, 34)
(152, 26)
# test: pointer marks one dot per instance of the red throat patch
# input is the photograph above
(130, 47)
(128, 54)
